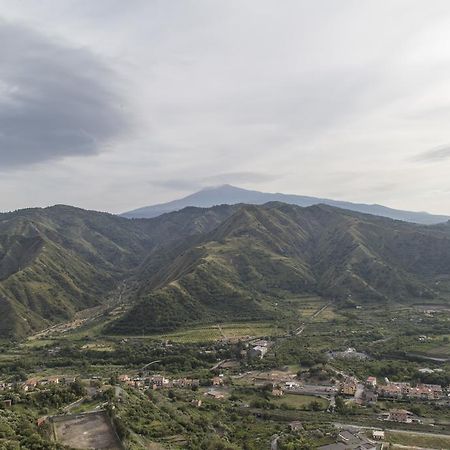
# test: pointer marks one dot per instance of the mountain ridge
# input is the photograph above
(58, 260)
(228, 194)
(262, 253)
(228, 262)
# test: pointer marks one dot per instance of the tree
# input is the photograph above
(315, 406)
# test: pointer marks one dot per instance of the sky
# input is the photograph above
(112, 105)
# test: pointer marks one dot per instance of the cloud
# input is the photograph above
(240, 177)
(181, 184)
(437, 154)
(224, 92)
(187, 184)
(55, 101)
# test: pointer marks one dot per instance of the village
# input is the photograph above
(298, 391)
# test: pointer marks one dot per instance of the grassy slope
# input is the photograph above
(263, 252)
(225, 263)
(56, 261)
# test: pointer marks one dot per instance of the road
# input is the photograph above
(85, 316)
(222, 333)
(74, 404)
(301, 328)
(393, 430)
(427, 358)
(216, 366)
(274, 443)
(313, 390)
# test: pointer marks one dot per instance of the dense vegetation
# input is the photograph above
(59, 260)
(208, 265)
(263, 254)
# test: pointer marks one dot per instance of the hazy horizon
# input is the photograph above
(222, 201)
(111, 107)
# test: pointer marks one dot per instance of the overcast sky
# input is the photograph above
(113, 104)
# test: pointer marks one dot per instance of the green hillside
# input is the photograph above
(208, 264)
(261, 253)
(59, 260)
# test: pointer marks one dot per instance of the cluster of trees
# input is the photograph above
(56, 396)
(295, 350)
(395, 370)
(175, 358)
(442, 378)
(19, 431)
(295, 443)
(344, 408)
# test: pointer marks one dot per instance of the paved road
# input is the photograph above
(427, 358)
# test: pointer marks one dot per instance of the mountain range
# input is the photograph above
(232, 195)
(197, 265)
(59, 260)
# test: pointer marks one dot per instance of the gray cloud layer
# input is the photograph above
(189, 184)
(340, 99)
(435, 154)
(55, 101)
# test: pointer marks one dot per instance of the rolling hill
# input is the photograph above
(232, 195)
(262, 253)
(59, 260)
(209, 264)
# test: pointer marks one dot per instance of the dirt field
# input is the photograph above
(86, 431)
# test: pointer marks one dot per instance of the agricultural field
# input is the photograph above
(226, 331)
(433, 347)
(405, 439)
(300, 401)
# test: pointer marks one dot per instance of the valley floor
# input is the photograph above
(300, 382)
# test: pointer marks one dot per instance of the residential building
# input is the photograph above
(30, 384)
(296, 425)
(393, 390)
(69, 380)
(369, 396)
(258, 351)
(349, 386)
(356, 441)
(348, 440)
(158, 381)
(217, 381)
(400, 415)
(215, 394)
(378, 435)
(276, 392)
(421, 391)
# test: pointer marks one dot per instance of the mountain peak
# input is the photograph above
(231, 195)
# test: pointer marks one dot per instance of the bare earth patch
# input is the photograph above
(86, 431)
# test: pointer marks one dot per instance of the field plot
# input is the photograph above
(405, 439)
(304, 306)
(86, 431)
(227, 331)
(435, 348)
(299, 401)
